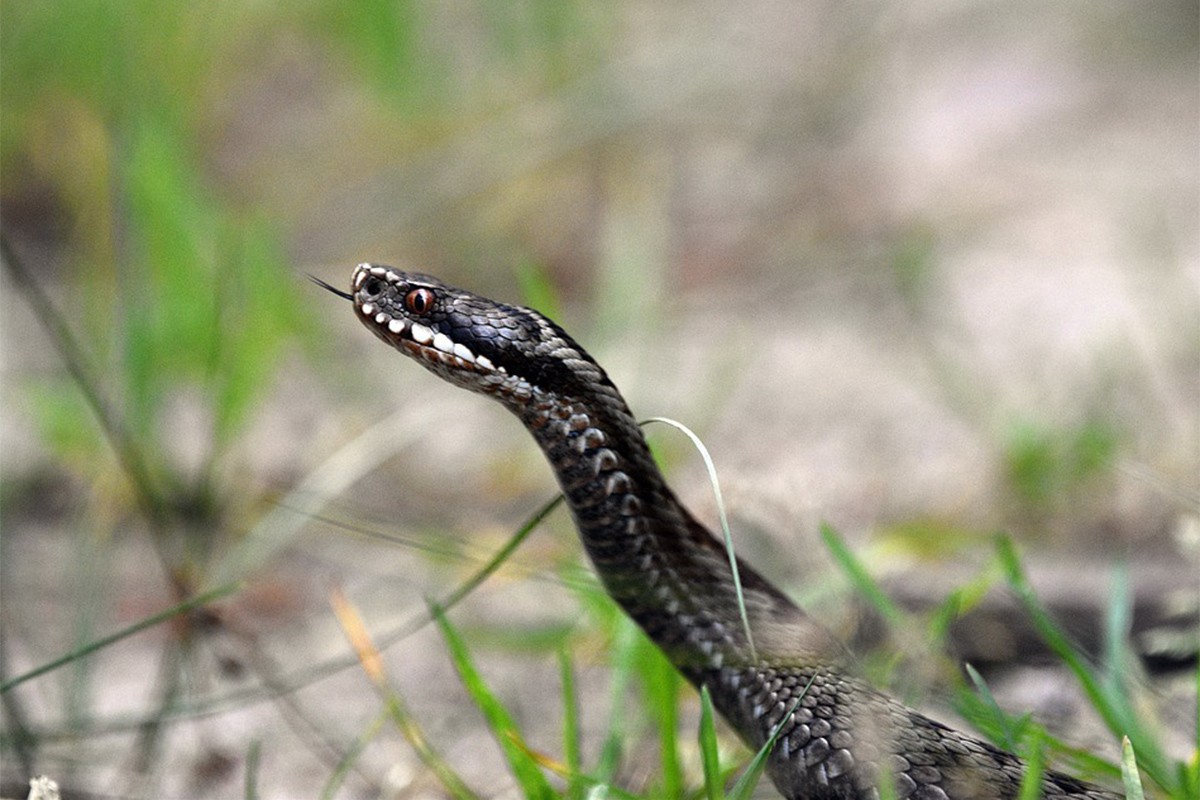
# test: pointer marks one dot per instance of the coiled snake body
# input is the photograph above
(842, 738)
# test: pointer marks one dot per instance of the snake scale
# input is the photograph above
(838, 737)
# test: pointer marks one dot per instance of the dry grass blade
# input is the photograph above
(368, 655)
(141, 625)
(129, 453)
(725, 532)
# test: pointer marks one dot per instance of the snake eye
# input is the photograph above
(419, 301)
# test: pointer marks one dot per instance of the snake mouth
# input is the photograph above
(378, 298)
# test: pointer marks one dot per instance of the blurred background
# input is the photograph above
(922, 271)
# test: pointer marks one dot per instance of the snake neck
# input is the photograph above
(665, 569)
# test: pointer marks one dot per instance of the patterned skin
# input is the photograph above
(838, 737)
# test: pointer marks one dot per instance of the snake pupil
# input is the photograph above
(419, 301)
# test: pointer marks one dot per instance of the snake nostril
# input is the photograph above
(373, 287)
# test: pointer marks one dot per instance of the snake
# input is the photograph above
(774, 673)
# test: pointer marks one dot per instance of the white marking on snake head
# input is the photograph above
(381, 318)
(484, 362)
(421, 334)
(442, 342)
(378, 272)
(396, 325)
(367, 309)
(463, 352)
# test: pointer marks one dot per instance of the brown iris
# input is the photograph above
(419, 301)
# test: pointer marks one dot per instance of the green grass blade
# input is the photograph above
(1115, 713)
(309, 674)
(599, 790)
(709, 758)
(960, 601)
(524, 768)
(1117, 624)
(661, 684)
(347, 761)
(623, 652)
(502, 555)
(537, 290)
(859, 576)
(999, 718)
(887, 785)
(1190, 778)
(1035, 766)
(1119, 663)
(571, 739)
(253, 758)
(1013, 732)
(99, 644)
(469, 585)
(1129, 772)
(750, 776)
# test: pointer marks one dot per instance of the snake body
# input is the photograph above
(837, 736)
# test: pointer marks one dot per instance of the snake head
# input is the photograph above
(501, 350)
